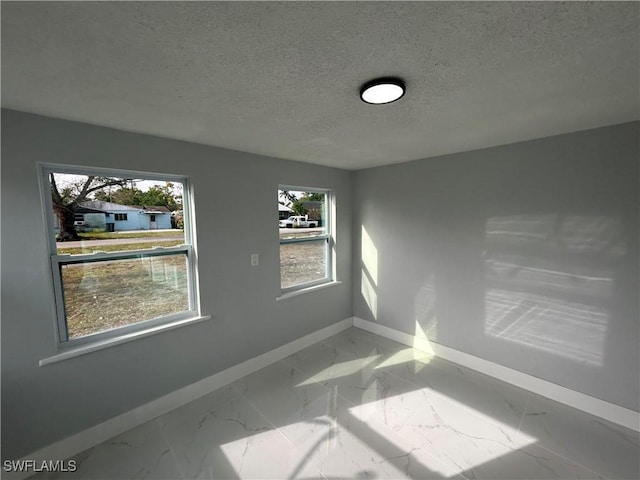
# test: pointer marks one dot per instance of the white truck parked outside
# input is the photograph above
(298, 221)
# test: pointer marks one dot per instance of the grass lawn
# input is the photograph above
(104, 295)
(301, 262)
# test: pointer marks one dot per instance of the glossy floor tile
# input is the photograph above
(358, 406)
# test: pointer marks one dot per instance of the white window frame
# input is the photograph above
(327, 238)
(57, 261)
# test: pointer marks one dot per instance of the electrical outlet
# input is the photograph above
(255, 260)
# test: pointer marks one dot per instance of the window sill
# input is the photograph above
(111, 342)
(302, 291)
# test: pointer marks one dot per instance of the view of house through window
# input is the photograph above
(305, 237)
(120, 249)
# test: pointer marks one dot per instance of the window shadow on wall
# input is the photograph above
(549, 281)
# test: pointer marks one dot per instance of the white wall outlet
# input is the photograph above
(255, 259)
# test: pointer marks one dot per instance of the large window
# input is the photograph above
(306, 240)
(126, 266)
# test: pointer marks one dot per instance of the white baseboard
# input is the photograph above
(600, 408)
(97, 434)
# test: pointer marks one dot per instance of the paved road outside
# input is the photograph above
(301, 230)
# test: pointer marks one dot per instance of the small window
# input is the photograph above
(305, 237)
(110, 279)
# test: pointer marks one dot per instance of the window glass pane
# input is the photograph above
(102, 295)
(106, 213)
(302, 214)
(302, 262)
(304, 225)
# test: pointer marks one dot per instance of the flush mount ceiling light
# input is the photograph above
(382, 90)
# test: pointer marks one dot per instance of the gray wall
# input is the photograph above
(44, 404)
(525, 255)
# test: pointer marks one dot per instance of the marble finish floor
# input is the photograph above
(359, 406)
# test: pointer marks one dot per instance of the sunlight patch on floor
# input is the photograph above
(342, 369)
(419, 357)
(456, 436)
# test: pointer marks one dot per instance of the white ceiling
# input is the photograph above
(282, 79)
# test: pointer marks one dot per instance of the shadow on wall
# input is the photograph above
(544, 281)
(549, 282)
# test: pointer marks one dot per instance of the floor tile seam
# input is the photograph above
(353, 404)
(180, 467)
(309, 375)
(421, 447)
(304, 417)
(238, 394)
(524, 413)
(311, 415)
(431, 388)
(280, 431)
(364, 357)
(343, 398)
(316, 379)
(576, 463)
(201, 397)
(298, 449)
(176, 460)
(298, 369)
(252, 405)
(401, 380)
(409, 449)
(269, 421)
(461, 475)
(512, 446)
(274, 427)
(558, 454)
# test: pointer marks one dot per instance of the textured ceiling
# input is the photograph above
(282, 79)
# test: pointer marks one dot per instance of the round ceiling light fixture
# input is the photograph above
(382, 90)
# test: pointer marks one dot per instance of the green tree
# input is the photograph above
(122, 196)
(298, 205)
(66, 200)
(165, 195)
(312, 197)
(287, 198)
(161, 196)
(313, 203)
(298, 208)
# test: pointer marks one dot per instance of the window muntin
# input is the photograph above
(305, 238)
(108, 282)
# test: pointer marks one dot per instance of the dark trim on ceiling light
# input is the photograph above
(398, 82)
